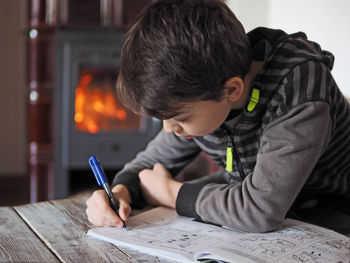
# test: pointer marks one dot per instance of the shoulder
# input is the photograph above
(297, 48)
(308, 82)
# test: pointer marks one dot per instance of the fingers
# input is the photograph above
(100, 213)
(157, 170)
(98, 210)
(160, 169)
(124, 210)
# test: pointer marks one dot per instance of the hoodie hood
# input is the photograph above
(265, 42)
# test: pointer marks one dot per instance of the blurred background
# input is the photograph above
(323, 21)
(55, 54)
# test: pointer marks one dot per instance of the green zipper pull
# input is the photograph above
(229, 159)
(254, 99)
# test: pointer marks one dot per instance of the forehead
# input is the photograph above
(167, 110)
(202, 106)
(176, 109)
(186, 108)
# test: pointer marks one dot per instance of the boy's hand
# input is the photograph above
(99, 211)
(158, 187)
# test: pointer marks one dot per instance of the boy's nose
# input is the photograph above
(171, 125)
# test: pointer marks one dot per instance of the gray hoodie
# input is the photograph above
(295, 144)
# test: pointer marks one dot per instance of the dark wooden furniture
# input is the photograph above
(56, 232)
(40, 90)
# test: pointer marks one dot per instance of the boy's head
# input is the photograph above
(181, 51)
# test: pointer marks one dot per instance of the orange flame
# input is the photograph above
(94, 108)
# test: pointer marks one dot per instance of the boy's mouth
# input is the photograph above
(186, 136)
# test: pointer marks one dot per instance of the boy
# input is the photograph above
(263, 105)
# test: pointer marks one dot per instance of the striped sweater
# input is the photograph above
(294, 145)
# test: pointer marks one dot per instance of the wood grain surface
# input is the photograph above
(62, 227)
(18, 243)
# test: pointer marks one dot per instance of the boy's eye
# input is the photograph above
(180, 120)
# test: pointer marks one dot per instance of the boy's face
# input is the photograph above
(198, 118)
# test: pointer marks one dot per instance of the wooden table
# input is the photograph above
(55, 231)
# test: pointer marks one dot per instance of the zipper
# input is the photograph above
(230, 155)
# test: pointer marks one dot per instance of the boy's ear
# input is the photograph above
(234, 88)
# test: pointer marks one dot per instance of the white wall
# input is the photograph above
(326, 22)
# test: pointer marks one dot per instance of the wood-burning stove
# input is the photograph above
(89, 119)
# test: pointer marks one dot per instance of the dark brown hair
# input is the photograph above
(180, 51)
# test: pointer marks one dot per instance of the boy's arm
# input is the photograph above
(290, 149)
(172, 151)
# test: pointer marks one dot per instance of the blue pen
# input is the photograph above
(102, 181)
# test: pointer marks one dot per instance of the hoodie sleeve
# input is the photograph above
(290, 148)
(172, 151)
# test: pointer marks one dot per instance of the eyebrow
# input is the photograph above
(184, 110)
(181, 113)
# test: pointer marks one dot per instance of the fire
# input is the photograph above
(96, 108)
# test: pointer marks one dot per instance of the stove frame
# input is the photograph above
(101, 49)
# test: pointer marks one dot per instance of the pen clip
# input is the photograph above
(97, 170)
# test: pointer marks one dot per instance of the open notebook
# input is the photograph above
(161, 232)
